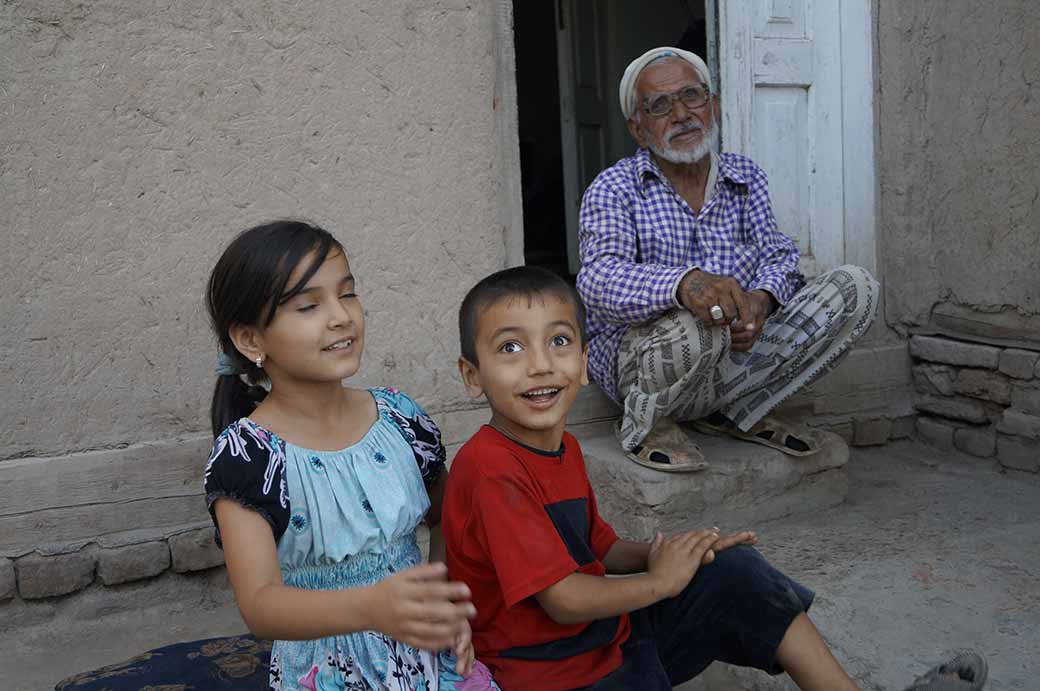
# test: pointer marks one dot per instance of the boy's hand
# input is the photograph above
(420, 607)
(744, 537)
(673, 561)
(464, 655)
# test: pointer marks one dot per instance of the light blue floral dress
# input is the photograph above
(343, 519)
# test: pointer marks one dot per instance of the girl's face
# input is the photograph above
(319, 334)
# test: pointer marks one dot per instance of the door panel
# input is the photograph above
(781, 91)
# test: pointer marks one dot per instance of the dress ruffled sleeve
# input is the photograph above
(247, 465)
(418, 430)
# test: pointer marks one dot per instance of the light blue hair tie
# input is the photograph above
(227, 366)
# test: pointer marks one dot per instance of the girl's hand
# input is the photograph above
(420, 607)
(464, 655)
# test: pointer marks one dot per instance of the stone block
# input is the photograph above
(903, 427)
(984, 384)
(951, 352)
(195, 551)
(977, 441)
(870, 431)
(1020, 424)
(1018, 453)
(1020, 364)
(49, 576)
(745, 484)
(935, 433)
(965, 409)
(132, 562)
(1026, 398)
(935, 379)
(7, 582)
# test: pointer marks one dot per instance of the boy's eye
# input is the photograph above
(510, 347)
(305, 308)
(560, 340)
(347, 296)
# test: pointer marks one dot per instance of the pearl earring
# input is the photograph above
(259, 361)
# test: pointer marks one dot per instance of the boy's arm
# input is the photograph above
(671, 564)
(626, 557)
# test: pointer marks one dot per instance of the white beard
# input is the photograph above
(709, 142)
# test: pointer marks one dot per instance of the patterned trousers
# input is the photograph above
(678, 366)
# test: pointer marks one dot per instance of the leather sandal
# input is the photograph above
(793, 440)
(668, 449)
(967, 671)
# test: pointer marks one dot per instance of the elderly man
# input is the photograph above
(697, 311)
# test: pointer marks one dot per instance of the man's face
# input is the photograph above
(684, 135)
(532, 365)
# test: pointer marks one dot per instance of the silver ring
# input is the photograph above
(716, 312)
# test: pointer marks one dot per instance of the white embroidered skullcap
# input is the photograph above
(627, 90)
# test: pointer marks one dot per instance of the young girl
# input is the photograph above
(316, 490)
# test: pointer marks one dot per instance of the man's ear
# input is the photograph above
(635, 131)
(585, 365)
(469, 378)
(247, 340)
(715, 107)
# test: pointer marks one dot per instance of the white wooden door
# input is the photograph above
(579, 44)
(790, 69)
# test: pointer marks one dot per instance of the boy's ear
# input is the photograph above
(585, 365)
(247, 341)
(469, 378)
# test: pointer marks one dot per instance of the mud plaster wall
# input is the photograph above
(137, 137)
(959, 118)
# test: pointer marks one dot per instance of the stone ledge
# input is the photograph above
(746, 484)
(42, 576)
(951, 352)
(132, 562)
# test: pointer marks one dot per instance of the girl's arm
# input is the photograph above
(438, 551)
(417, 606)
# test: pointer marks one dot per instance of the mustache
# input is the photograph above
(683, 128)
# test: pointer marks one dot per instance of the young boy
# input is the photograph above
(522, 530)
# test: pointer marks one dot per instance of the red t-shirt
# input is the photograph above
(516, 520)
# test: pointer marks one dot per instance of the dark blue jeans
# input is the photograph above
(736, 610)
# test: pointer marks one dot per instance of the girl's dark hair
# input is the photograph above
(246, 287)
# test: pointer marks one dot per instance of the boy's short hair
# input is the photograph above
(520, 281)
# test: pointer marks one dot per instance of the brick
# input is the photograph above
(195, 551)
(870, 431)
(132, 562)
(935, 433)
(49, 576)
(7, 582)
(1020, 364)
(1018, 453)
(935, 379)
(903, 427)
(951, 352)
(1026, 398)
(984, 384)
(965, 409)
(977, 441)
(1020, 424)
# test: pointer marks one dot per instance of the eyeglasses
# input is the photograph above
(691, 97)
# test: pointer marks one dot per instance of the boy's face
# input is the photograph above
(532, 365)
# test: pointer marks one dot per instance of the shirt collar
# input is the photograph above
(647, 168)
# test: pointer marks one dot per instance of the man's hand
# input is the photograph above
(674, 560)
(745, 331)
(699, 291)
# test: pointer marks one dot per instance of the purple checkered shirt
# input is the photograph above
(639, 238)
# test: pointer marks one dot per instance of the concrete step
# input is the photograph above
(745, 484)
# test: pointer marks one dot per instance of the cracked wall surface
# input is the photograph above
(136, 138)
(959, 117)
